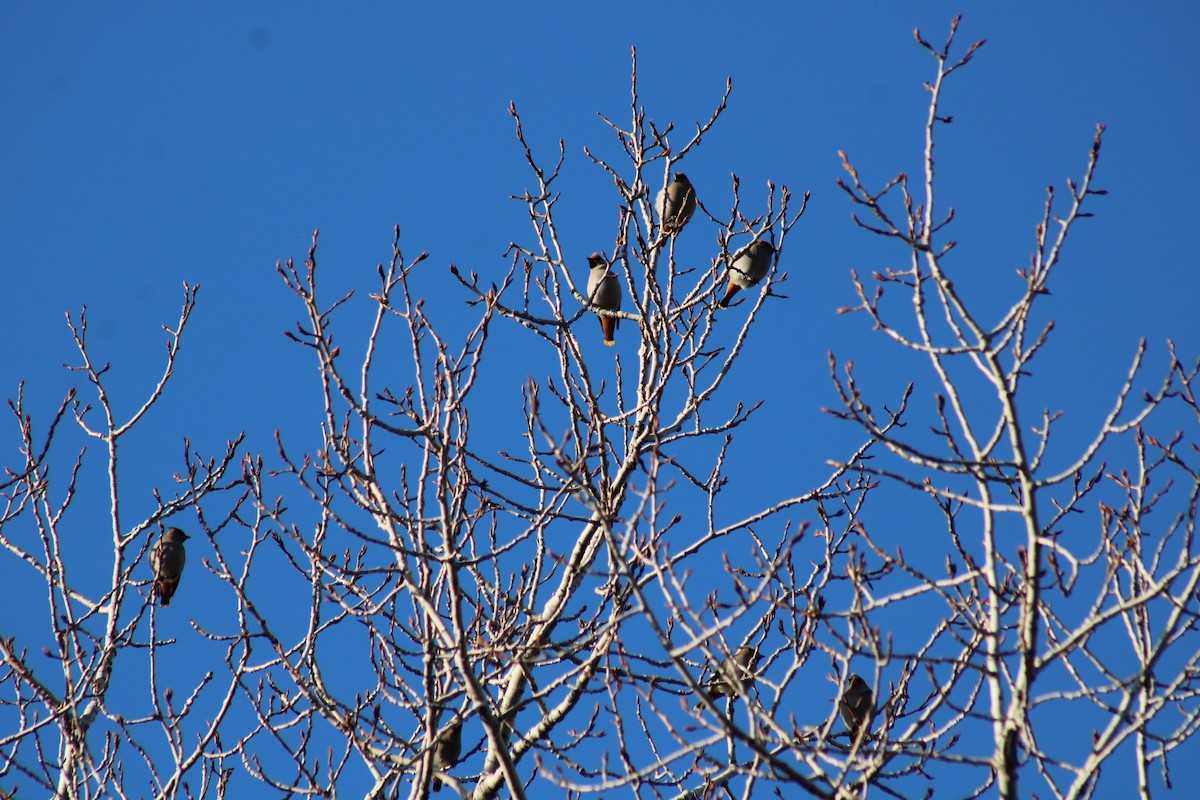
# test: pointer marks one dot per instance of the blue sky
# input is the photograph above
(141, 150)
(152, 144)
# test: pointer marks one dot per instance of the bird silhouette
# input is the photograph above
(675, 204)
(167, 558)
(856, 705)
(733, 677)
(447, 751)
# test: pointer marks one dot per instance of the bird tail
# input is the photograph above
(729, 293)
(608, 326)
(163, 592)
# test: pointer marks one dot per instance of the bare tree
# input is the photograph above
(1032, 607)
(429, 599)
(66, 727)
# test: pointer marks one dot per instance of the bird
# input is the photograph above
(167, 558)
(857, 705)
(447, 751)
(750, 265)
(604, 292)
(735, 675)
(676, 204)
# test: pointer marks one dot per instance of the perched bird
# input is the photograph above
(735, 675)
(749, 267)
(676, 204)
(447, 751)
(857, 705)
(604, 292)
(167, 558)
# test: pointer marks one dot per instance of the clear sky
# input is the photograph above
(147, 144)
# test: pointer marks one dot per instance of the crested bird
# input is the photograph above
(749, 267)
(734, 676)
(604, 292)
(676, 204)
(856, 705)
(167, 559)
(447, 751)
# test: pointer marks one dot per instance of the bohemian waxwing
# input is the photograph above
(676, 204)
(856, 705)
(604, 292)
(735, 675)
(447, 751)
(750, 266)
(167, 558)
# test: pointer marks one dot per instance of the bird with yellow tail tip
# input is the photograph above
(604, 293)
